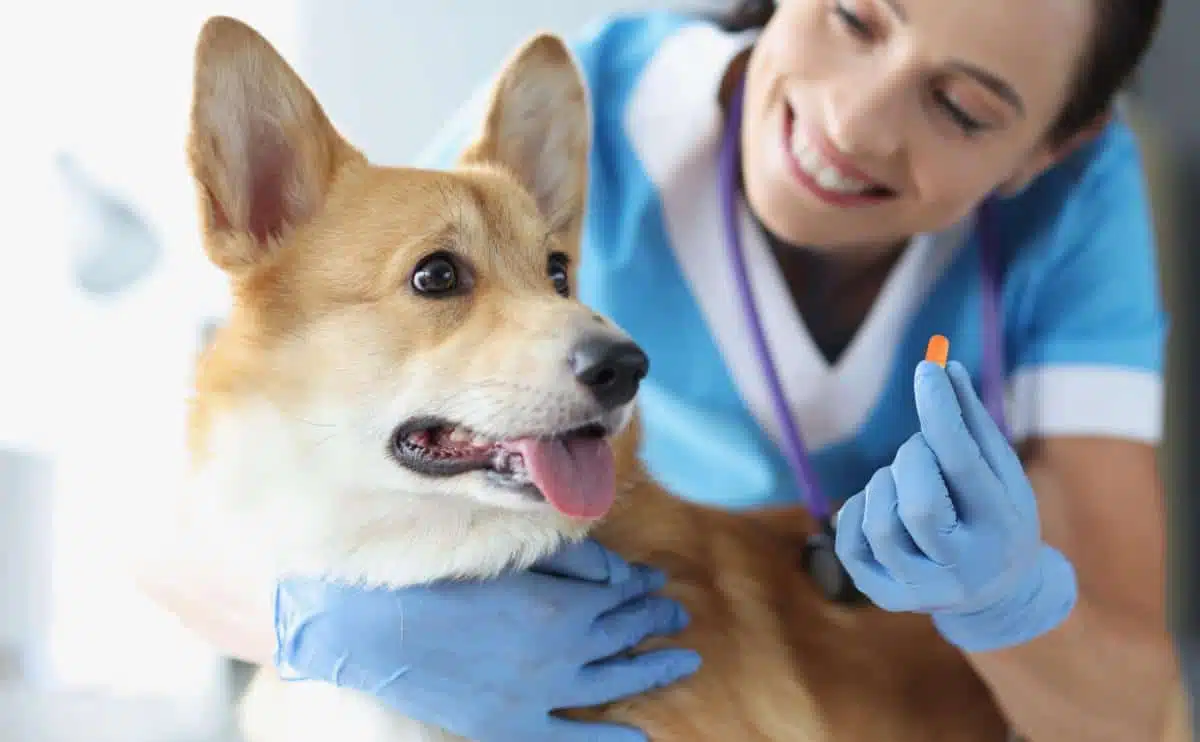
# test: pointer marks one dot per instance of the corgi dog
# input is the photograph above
(406, 390)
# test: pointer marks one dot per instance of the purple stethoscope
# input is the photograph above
(819, 556)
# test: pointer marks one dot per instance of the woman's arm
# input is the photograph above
(1087, 403)
(209, 590)
(1179, 722)
(1107, 673)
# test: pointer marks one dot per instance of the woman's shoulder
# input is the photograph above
(1111, 153)
(1100, 187)
(1082, 265)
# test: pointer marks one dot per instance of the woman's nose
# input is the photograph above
(864, 116)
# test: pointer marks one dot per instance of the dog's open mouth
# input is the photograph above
(573, 471)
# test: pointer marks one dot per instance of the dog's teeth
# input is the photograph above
(480, 441)
(515, 464)
(458, 435)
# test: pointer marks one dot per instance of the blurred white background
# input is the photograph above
(104, 293)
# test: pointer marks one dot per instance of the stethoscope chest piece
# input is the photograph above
(821, 561)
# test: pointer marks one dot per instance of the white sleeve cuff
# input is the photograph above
(1086, 401)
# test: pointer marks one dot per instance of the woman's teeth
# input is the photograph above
(826, 175)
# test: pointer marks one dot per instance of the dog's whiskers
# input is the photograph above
(325, 440)
(314, 423)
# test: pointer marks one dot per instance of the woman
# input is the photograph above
(899, 160)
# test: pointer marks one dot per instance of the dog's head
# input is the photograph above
(405, 358)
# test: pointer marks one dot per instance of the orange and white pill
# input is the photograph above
(938, 350)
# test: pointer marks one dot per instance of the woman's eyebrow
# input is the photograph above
(985, 78)
(992, 83)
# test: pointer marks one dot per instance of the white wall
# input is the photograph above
(98, 388)
(389, 72)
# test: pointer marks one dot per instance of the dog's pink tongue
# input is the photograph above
(577, 476)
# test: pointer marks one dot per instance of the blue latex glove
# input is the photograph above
(490, 660)
(951, 527)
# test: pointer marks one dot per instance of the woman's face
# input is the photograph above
(869, 121)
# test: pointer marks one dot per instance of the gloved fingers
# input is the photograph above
(627, 625)
(994, 445)
(586, 560)
(924, 504)
(642, 581)
(578, 731)
(616, 678)
(889, 540)
(849, 542)
(976, 488)
(856, 555)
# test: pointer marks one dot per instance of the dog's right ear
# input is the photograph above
(261, 149)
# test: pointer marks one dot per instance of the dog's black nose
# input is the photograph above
(610, 368)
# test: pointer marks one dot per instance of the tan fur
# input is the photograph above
(327, 349)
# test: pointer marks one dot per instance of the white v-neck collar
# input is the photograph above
(830, 401)
(674, 122)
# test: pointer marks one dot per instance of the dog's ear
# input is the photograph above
(538, 126)
(260, 148)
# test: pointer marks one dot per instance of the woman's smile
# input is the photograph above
(825, 173)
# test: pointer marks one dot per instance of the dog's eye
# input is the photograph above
(559, 276)
(438, 274)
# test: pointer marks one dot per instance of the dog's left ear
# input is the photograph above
(538, 126)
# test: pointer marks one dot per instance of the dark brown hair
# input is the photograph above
(1123, 32)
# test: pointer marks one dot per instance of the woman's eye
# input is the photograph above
(961, 118)
(852, 21)
(556, 269)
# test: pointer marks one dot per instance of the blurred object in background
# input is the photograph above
(110, 244)
(29, 716)
(1175, 106)
(208, 331)
(25, 560)
(1173, 59)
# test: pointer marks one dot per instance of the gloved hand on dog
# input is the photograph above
(490, 660)
(951, 528)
